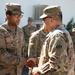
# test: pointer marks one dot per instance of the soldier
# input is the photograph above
(28, 29)
(73, 37)
(57, 50)
(35, 44)
(11, 41)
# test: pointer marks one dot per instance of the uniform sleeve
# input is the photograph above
(5, 56)
(70, 47)
(57, 51)
(24, 51)
(33, 44)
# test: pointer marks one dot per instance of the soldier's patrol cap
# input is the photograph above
(14, 7)
(51, 11)
(30, 19)
(73, 30)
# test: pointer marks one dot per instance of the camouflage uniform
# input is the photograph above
(56, 53)
(35, 43)
(27, 33)
(11, 50)
(73, 38)
(57, 50)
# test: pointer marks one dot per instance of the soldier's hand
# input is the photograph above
(30, 62)
(35, 71)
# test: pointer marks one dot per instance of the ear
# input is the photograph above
(50, 20)
(8, 16)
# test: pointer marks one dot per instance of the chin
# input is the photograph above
(17, 24)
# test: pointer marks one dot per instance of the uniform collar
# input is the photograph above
(60, 27)
(10, 29)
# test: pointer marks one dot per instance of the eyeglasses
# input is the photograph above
(18, 15)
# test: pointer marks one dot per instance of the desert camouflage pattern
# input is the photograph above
(27, 33)
(14, 7)
(73, 38)
(35, 43)
(56, 53)
(11, 50)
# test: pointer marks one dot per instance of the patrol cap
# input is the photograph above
(73, 30)
(51, 11)
(14, 7)
(30, 19)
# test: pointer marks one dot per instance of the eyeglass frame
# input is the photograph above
(17, 15)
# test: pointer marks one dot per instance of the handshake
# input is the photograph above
(30, 62)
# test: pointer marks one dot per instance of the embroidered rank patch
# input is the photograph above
(59, 46)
